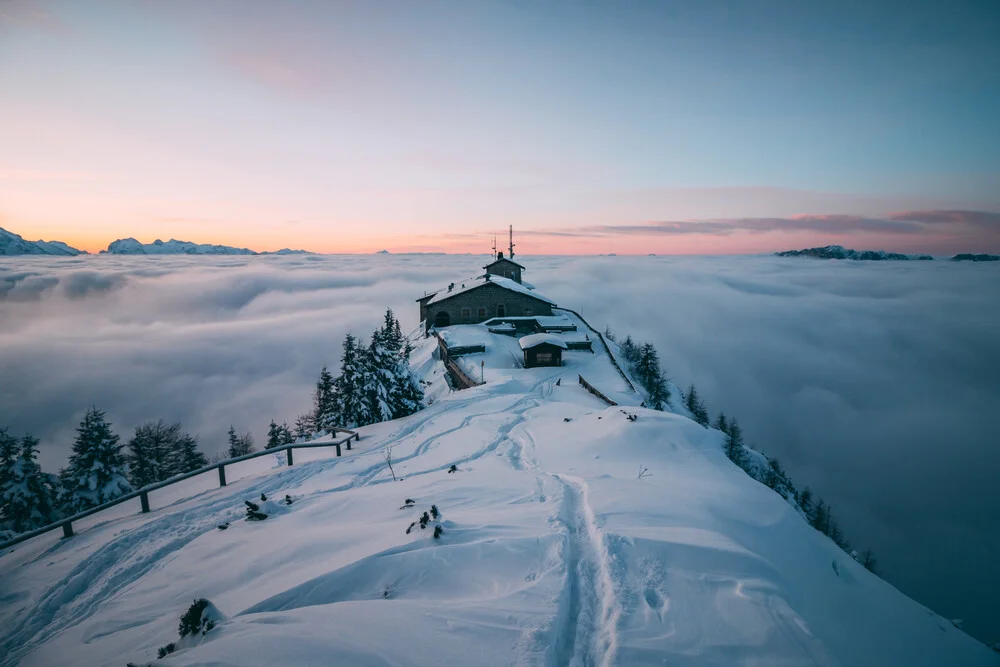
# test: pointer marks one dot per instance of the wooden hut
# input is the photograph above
(542, 349)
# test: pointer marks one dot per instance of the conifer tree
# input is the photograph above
(278, 435)
(9, 451)
(380, 378)
(650, 376)
(96, 472)
(325, 415)
(630, 351)
(734, 444)
(303, 427)
(350, 385)
(185, 456)
(149, 451)
(27, 498)
(239, 445)
(721, 423)
(695, 406)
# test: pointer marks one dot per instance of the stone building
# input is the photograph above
(542, 349)
(505, 268)
(480, 299)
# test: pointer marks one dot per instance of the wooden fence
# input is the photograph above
(459, 378)
(143, 493)
(593, 390)
(607, 349)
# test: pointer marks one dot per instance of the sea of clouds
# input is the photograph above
(875, 383)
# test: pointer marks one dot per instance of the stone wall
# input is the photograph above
(488, 297)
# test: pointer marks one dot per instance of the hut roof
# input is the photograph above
(476, 283)
(505, 259)
(534, 340)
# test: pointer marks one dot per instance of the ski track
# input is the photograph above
(585, 632)
(133, 553)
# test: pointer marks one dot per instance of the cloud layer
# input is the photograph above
(871, 382)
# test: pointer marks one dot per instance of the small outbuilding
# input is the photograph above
(542, 349)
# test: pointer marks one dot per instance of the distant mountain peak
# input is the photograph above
(15, 244)
(840, 252)
(131, 246)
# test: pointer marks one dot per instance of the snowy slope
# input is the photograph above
(553, 552)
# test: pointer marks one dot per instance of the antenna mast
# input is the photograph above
(512, 242)
(494, 246)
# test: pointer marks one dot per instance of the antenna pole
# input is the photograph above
(512, 241)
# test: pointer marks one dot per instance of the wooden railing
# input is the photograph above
(459, 378)
(593, 390)
(143, 493)
(600, 337)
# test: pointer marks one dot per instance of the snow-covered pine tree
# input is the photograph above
(405, 395)
(8, 456)
(630, 351)
(650, 376)
(239, 445)
(380, 378)
(149, 450)
(695, 406)
(350, 385)
(273, 435)
(27, 498)
(325, 414)
(185, 455)
(96, 472)
(303, 427)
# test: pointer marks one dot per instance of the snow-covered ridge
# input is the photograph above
(15, 244)
(840, 252)
(552, 551)
(131, 246)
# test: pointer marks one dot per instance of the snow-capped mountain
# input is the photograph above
(15, 244)
(554, 548)
(840, 252)
(131, 246)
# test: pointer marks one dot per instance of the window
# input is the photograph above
(466, 314)
(482, 313)
(501, 310)
(543, 358)
(527, 312)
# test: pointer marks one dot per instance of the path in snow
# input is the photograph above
(586, 633)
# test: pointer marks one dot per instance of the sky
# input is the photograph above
(592, 127)
(873, 383)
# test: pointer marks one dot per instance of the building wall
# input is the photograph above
(488, 297)
(551, 356)
(505, 269)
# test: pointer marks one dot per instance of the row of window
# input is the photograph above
(481, 312)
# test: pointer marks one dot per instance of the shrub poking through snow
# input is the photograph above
(253, 512)
(434, 512)
(223, 526)
(438, 530)
(410, 527)
(453, 468)
(288, 499)
(199, 619)
(408, 504)
(263, 498)
(425, 518)
(164, 651)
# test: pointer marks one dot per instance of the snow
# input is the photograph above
(553, 552)
(534, 340)
(473, 283)
(131, 246)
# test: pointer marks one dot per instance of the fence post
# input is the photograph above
(144, 501)
(67, 530)
(222, 475)
(337, 445)
(349, 443)
(289, 450)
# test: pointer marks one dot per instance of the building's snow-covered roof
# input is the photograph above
(475, 283)
(534, 340)
(503, 259)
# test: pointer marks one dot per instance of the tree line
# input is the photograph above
(644, 365)
(769, 472)
(375, 384)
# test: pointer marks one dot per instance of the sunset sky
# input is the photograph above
(687, 127)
